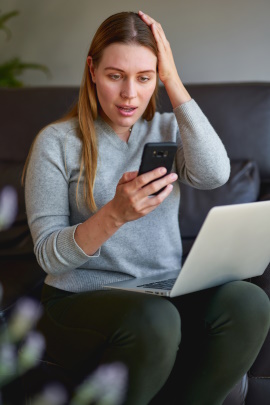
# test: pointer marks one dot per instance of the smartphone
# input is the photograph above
(157, 154)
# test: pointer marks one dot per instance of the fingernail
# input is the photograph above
(163, 170)
(174, 176)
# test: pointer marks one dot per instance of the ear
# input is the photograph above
(91, 68)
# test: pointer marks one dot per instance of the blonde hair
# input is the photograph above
(124, 27)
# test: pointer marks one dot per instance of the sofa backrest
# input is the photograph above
(25, 111)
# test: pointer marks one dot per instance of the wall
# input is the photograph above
(212, 40)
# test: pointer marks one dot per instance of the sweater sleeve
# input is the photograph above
(47, 206)
(201, 159)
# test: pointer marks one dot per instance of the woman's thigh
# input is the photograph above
(224, 322)
(223, 329)
(79, 328)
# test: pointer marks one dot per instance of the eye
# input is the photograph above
(144, 79)
(115, 76)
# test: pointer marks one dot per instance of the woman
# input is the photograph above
(90, 228)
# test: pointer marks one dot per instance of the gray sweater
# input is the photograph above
(147, 246)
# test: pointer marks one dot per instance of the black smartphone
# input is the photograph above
(157, 154)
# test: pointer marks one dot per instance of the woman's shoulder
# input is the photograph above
(59, 132)
(66, 124)
(163, 116)
(61, 128)
(58, 144)
(163, 122)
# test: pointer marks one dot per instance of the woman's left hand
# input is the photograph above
(166, 66)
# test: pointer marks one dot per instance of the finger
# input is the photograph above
(159, 37)
(127, 177)
(159, 30)
(157, 185)
(156, 28)
(147, 19)
(146, 178)
(155, 201)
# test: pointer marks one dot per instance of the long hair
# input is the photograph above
(124, 27)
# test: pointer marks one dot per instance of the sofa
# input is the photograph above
(240, 113)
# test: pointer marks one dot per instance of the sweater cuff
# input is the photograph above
(70, 250)
(97, 252)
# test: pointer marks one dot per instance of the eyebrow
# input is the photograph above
(120, 70)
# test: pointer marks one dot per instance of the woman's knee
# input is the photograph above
(156, 325)
(244, 304)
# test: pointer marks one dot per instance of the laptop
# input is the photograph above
(233, 244)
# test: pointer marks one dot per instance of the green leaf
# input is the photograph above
(15, 67)
(12, 68)
(4, 18)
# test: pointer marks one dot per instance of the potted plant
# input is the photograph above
(10, 69)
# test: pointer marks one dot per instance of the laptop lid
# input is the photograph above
(233, 244)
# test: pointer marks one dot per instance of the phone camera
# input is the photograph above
(160, 154)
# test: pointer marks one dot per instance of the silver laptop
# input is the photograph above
(233, 244)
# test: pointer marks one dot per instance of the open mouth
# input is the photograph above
(126, 111)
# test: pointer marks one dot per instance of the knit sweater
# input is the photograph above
(147, 246)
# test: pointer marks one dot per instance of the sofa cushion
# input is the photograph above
(20, 276)
(243, 186)
(17, 239)
(20, 272)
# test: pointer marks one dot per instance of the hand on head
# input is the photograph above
(166, 65)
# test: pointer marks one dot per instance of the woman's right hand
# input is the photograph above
(131, 200)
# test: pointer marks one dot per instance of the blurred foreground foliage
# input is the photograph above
(22, 347)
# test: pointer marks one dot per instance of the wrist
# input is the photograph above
(114, 221)
(91, 234)
(176, 91)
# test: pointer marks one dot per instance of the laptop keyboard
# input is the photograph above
(160, 285)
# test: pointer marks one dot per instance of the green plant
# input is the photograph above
(14, 67)
(4, 18)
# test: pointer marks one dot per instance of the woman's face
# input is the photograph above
(125, 81)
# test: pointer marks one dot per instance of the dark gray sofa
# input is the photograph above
(240, 113)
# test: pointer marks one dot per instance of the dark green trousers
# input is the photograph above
(190, 350)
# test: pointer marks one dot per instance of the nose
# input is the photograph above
(128, 89)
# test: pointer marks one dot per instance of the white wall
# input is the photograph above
(212, 40)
